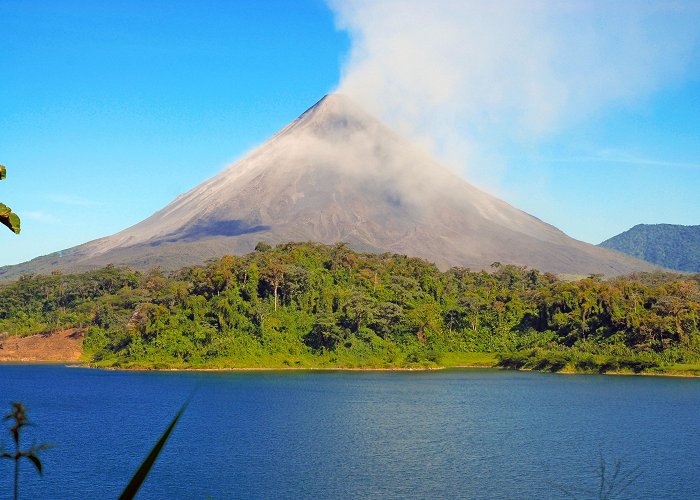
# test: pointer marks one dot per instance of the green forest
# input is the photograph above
(669, 245)
(309, 305)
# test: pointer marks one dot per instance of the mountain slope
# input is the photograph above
(668, 245)
(337, 174)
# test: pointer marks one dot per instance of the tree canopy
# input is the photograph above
(306, 304)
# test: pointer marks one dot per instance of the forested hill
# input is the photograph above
(668, 245)
(311, 305)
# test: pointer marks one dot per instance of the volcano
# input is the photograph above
(337, 174)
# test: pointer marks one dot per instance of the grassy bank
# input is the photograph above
(572, 361)
(533, 360)
(328, 361)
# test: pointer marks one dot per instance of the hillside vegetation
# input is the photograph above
(668, 245)
(311, 305)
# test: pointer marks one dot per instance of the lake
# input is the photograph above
(453, 433)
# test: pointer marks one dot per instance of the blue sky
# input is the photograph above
(109, 110)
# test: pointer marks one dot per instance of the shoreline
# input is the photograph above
(65, 348)
(71, 364)
(288, 369)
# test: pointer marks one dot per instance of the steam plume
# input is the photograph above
(465, 77)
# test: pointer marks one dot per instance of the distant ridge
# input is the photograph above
(336, 174)
(669, 245)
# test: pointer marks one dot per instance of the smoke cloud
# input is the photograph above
(466, 78)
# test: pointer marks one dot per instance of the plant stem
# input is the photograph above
(17, 474)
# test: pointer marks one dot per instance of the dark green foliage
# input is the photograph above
(667, 245)
(7, 216)
(306, 304)
(574, 359)
(262, 247)
(513, 361)
(145, 468)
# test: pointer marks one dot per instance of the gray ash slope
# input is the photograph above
(336, 174)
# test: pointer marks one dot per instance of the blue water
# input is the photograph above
(456, 434)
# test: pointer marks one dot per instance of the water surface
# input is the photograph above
(456, 433)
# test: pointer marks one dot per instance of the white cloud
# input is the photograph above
(467, 78)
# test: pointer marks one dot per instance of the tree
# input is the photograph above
(359, 310)
(7, 216)
(263, 247)
(325, 333)
(273, 274)
(387, 317)
(422, 317)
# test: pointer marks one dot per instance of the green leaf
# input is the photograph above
(9, 218)
(133, 487)
(35, 460)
